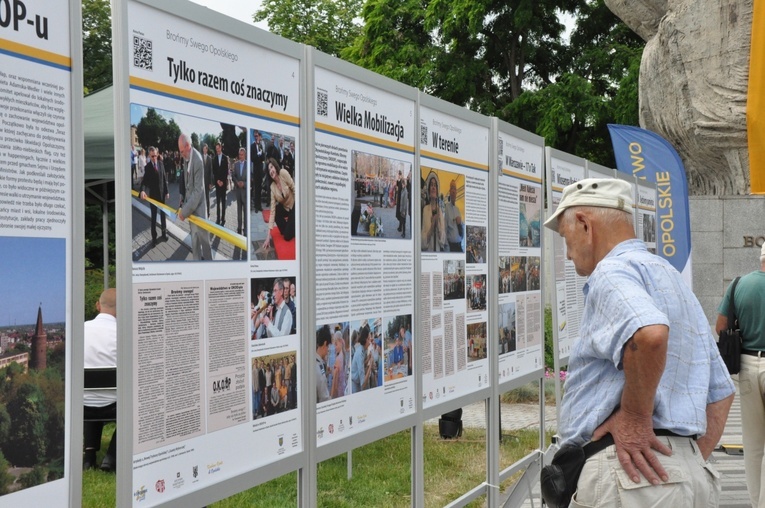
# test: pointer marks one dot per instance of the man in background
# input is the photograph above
(220, 175)
(100, 345)
(749, 309)
(455, 231)
(208, 175)
(239, 177)
(155, 182)
(323, 338)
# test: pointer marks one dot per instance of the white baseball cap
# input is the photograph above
(601, 192)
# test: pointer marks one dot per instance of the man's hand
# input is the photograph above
(220, 183)
(180, 215)
(143, 195)
(635, 442)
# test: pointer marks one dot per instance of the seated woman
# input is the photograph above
(282, 202)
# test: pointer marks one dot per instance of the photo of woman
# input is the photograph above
(282, 203)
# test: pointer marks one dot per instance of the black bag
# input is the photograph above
(729, 342)
(559, 479)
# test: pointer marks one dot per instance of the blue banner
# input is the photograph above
(647, 155)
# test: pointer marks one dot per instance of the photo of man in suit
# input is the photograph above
(208, 175)
(257, 156)
(155, 182)
(239, 177)
(220, 174)
(193, 168)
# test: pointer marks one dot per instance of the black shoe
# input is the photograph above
(163, 238)
(89, 460)
(153, 242)
(109, 464)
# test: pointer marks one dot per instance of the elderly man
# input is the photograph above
(645, 376)
(194, 182)
(749, 309)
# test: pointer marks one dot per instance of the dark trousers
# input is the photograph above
(220, 203)
(241, 209)
(257, 190)
(92, 429)
(154, 222)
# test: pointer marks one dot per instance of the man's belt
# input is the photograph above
(594, 447)
(753, 352)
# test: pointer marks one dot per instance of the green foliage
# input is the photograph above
(154, 130)
(27, 441)
(37, 476)
(5, 424)
(327, 25)
(549, 362)
(6, 478)
(94, 236)
(96, 44)
(94, 286)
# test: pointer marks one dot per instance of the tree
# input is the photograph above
(96, 44)
(327, 25)
(154, 130)
(6, 478)
(26, 444)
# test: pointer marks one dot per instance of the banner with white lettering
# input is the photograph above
(647, 155)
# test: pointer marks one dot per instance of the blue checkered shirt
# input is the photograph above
(629, 289)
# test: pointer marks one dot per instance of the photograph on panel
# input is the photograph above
(443, 211)
(398, 347)
(272, 196)
(333, 361)
(518, 273)
(33, 362)
(272, 307)
(532, 273)
(184, 187)
(476, 244)
(530, 215)
(381, 190)
(274, 384)
(366, 352)
(454, 279)
(649, 228)
(476, 341)
(476, 292)
(507, 328)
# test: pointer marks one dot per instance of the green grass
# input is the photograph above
(381, 474)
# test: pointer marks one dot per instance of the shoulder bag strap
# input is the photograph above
(732, 324)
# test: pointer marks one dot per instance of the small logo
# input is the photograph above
(195, 471)
(320, 432)
(281, 440)
(331, 428)
(160, 486)
(350, 420)
(140, 493)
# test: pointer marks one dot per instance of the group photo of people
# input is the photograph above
(476, 292)
(476, 244)
(334, 362)
(381, 196)
(272, 307)
(185, 171)
(530, 215)
(648, 220)
(366, 354)
(507, 328)
(476, 341)
(454, 279)
(272, 195)
(398, 347)
(443, 211)
(274, 384)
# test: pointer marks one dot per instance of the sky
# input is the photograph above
(33, 272)
(239, 9)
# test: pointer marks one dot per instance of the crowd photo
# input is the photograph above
(476, 244)
(454, 279)
(476, 341)
(272, 307)
(476, 292)
(272, 196)
(381, 196)
(274, 384)
(185, 171)
(507, 328)
(333, 362)
(366, 354)
(398, 347)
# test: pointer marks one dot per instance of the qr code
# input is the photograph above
(423, 134)
(321, 103)
(142, 53)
